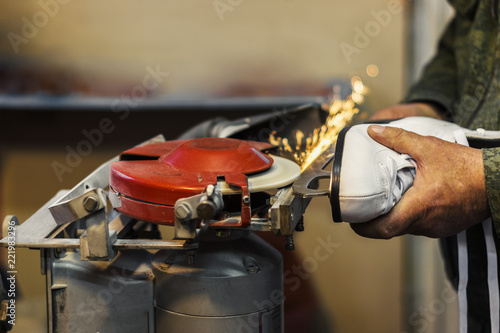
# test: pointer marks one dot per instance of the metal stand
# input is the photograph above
(234, 284)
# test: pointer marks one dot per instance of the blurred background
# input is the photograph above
(153, 67)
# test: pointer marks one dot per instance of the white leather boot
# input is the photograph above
(368, 179)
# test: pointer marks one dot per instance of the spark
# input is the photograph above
(340, 113)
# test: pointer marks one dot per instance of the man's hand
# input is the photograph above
(448, 194)
(407, 110)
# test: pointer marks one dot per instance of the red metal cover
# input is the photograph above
(151, 178)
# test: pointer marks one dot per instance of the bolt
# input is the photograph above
(183, 211)
(300, 225)
(246, 199)
(290, 246)
(91, 203)
(206, 210)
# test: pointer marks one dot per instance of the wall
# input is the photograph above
(257, 47)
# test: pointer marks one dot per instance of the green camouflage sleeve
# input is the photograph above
(491, 158)
(438, 81)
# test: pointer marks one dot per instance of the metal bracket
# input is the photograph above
(95, 242)
(287, 210)
(79, 207)
(204, 206)
(309, 177)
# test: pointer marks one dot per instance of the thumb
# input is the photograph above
(397, 139)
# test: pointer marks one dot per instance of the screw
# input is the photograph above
(300, 225)
(246, 199)
(183, 211)
(90, 203)
(290, 246)
(206, 210)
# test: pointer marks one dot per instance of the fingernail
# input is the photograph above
(377, 128)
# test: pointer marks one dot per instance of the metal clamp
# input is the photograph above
(96, 241)
(204, 206)
(79, 207)
(308, 178)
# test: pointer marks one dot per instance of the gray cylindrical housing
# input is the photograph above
(234, 284)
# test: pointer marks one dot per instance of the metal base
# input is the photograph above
(232, 284)
(90, 297)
